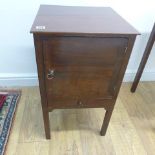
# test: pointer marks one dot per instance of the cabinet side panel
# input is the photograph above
(125, 63)
(40, 68)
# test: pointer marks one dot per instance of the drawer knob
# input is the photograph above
(50, 74)
(80, 103)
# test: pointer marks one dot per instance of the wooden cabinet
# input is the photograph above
(80, 67)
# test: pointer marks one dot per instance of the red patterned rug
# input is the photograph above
(8, 105)
(2, 99)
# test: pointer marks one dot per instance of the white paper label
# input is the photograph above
(40, 27)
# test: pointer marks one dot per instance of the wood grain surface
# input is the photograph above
(81, 54)
(73, 19)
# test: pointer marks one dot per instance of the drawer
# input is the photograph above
(93, 103)
(58, 103)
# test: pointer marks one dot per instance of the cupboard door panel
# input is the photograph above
(82, 68)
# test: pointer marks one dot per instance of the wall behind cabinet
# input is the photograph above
(17, 59)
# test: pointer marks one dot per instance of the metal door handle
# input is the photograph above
(50, 74)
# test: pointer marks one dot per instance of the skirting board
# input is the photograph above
(31, 79)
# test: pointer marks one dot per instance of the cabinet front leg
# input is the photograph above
(106, 121)
(46, 124)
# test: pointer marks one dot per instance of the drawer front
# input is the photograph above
(82, 68)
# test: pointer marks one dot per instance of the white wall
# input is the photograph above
(17, 59)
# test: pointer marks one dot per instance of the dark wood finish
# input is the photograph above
(40, 67)
(79, 67)
(106, 120)
(144, 60)
(63, 19)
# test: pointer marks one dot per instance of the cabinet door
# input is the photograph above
(82, 68)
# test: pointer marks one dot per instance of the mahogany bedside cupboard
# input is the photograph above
(82, 54)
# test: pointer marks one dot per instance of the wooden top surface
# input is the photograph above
(73, 19)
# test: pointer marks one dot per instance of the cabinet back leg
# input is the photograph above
(106, 121)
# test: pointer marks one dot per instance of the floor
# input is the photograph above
(76, 132)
